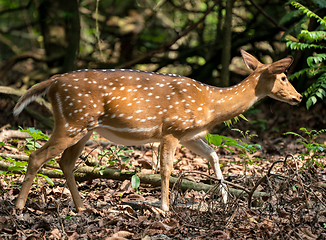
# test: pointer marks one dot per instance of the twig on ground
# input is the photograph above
(16, 223)
(264, 178)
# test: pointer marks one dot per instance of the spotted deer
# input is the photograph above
(132, 107)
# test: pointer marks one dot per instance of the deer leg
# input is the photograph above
(201, 148)
(67, 164)
(168, 146)
(56, 144)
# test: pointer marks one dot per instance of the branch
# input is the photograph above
(6, 134)
(17, 9)
(169, 44)
(264, 178)
(46, 121)
(17, 58)
(267, 16)
(86, 173)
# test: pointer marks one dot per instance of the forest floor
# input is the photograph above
(291, 206)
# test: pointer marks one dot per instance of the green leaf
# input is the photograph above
(322, 91)
(15, 168)
(49, 180)
(308, 12)
(214, 139)
(295, 134)
(317, 58)
(308, 103)
(7, 145)
(299, 73)
(35, 133)
(318, 94)
(135, 182)
(20, 164)
(312, 36)
(313, 99)
(57, 171)
(95, 136)
(229, 139)
(243, 117)
(229, 149)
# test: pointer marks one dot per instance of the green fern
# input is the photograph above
(302, 46)
(312, 35)
(229, 123)
(309, 13)
(316, 63)
(316, 90)
(315, 60)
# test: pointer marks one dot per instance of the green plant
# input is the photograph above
(243, 146)
(247, 149)
(225, 142)
(316, 62)
(36, 135)
(135, 182)
(31, 145)
(236, 119)
(14, 166)
(313, 149)
(220, 141)
(116, 156)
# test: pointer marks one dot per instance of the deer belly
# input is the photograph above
(127, 136)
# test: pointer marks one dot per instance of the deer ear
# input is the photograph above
(250, 61)
(280, 66)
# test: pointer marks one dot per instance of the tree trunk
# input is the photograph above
(226, 51)
(72, 29)
(60, 27)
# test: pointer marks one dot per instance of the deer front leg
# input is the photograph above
(168, 146)
(201, 148)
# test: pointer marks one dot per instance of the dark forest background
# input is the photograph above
(198, 39)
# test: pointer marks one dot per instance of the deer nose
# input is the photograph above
(297, 99)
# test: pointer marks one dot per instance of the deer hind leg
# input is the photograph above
(201, 148)
(168, 146)
(67, 164)
(58, 142)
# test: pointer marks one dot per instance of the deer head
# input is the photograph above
(272, 80)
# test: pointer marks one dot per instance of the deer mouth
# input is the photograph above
(296, 100)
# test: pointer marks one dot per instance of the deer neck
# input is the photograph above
(229, 102)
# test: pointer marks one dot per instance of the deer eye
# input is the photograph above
(283, 78)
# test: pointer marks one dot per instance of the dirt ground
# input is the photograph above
(290, 181)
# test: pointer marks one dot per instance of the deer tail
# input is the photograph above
(30, 95)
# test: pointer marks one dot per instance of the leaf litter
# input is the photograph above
(293, 206)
